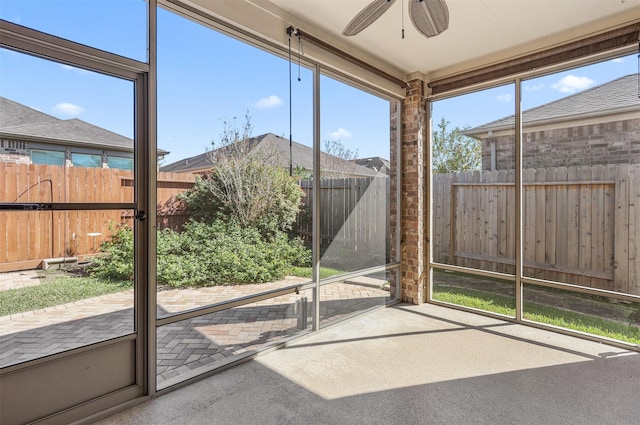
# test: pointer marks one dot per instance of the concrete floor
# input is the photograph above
(414, 365)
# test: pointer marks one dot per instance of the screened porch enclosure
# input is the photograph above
(224, 186)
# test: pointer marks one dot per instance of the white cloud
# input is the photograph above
(572, 84)
(73, 68)
(618, 60)
(340, 134)
(504, 98)
(68, 109)
(268, 102)
(536, 87)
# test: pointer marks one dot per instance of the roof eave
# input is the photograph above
(79, 143)
(478, 134)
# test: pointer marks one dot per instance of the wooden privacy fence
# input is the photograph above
(31, 236)
(354, 213)
(580, 224)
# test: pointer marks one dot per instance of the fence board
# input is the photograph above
(597, 223)
(573, 211)
(4, 187)
(584, 251)
(476, 204)
(446, 180)
(22, 195)
(562, 222)
(621, 280)
(502, 212)
(540, 194)
(529, 201)
(437, 217)
(551, 220)
(634, 229)
(609, 223)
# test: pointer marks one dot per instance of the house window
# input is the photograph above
(120, 162)
(86, 160)
(45, 157)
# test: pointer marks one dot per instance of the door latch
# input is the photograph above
(140, 215)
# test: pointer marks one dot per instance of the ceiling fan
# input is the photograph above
(429, 17)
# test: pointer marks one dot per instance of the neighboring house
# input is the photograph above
(33, 137)
(375, 163)
(600, 125)
(277, 149)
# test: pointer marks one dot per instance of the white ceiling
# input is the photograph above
(480, 32)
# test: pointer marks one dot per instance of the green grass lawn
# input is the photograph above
(61, 290)
(325, 272)
(539, 313)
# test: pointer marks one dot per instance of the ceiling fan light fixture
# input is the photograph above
(367, 16)
(429, 17)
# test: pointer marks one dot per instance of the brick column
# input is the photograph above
(394, 280)
(414, 189)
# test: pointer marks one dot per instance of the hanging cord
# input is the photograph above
(290, 31)
(402, 13)
(300, 52)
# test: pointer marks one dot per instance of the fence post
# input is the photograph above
(621, 245)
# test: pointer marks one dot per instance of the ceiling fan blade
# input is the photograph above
(430, 17)
(367, 16)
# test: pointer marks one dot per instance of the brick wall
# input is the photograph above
(608, 143)
(14, 157)
(394, 110)
(14, 151)
(413, 192)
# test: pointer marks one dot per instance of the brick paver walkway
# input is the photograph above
(20, 279)
(184, 346)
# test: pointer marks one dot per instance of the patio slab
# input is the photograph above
(414, 365)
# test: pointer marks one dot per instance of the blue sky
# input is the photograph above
(206, 78)
(491, 104)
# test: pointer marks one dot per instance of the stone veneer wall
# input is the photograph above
(615, 142)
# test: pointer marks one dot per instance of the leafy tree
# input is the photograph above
(336, 162)
(245, 187)
(453, 152)
(339, 150)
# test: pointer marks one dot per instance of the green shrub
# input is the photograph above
(247, 184)
(116, 262)
(248, 191)
(208, 254)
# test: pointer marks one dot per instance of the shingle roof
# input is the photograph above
(17, 120)
(614, 96)
(278, 149)
(14, 114)
(375, 163)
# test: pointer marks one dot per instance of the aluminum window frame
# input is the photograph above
(518, 278)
